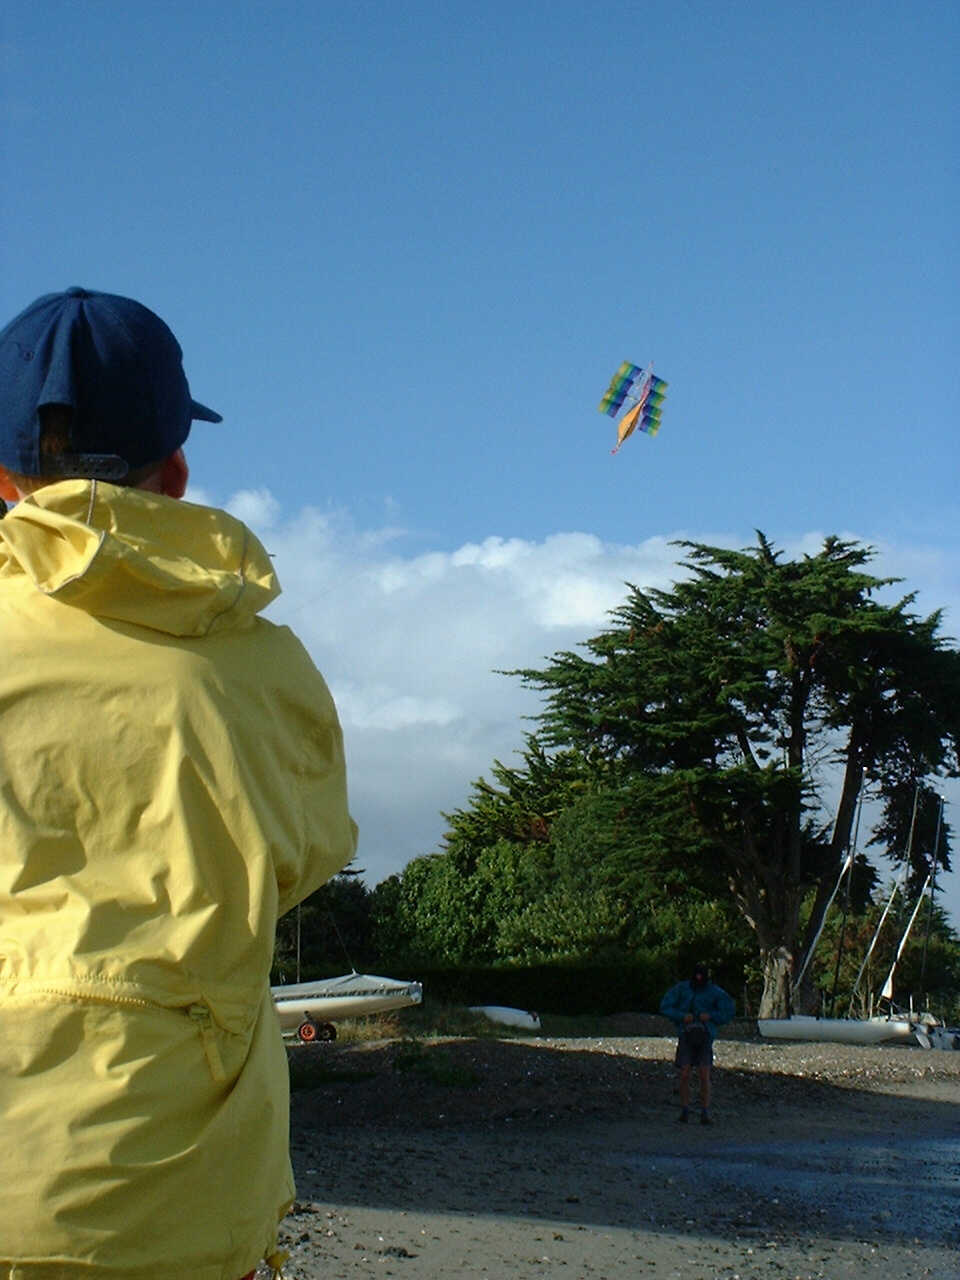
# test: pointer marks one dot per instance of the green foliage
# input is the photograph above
(335, 931)
(915, 825)
(738, 689)
(927, 973)
(568, 928)
(522, 802)
(448, 908)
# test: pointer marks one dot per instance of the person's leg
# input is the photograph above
(683, 1062)
(684, 1091)
(704, 1063)
(704, 1071)
(685, 1086)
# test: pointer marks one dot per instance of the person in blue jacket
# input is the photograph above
(696, 1007)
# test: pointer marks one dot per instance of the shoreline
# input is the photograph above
(515, 1157)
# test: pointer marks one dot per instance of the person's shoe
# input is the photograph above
(683, 1117)
(704, 1118)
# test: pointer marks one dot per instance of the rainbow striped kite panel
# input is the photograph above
(645, 393)
(621, 385)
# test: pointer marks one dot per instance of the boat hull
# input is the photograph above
(838, 1030)
(354, 995)
(508, 1017)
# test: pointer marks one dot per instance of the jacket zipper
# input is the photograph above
(203, 1019)
(199, 1014)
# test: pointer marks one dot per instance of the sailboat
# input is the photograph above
(895, 1025)
(308, 1010)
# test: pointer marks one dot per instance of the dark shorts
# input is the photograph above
(694, 1051)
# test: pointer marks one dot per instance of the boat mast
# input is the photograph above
(886, 909)
(847, 864)
(933, 889)
(887, 992)
(846, 902)
(873, 943)
(847, 867)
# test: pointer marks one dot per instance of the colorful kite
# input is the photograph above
(643, 391)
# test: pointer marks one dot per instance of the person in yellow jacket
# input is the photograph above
(171, 780)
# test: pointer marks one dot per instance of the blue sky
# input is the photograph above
(404, 247)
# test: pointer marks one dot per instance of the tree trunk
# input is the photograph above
(777, 963)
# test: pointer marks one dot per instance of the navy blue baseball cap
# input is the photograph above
(115, 364)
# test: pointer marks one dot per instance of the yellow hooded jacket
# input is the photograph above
(171, 779)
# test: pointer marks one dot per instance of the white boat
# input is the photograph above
(309, 1009)
(896, 1025)
(839, 1030)
(508, 1017)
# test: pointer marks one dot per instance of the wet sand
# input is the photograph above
(522, 1158)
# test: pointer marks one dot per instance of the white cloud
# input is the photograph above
(200, 496)
(410, 643)
(256, 507)
(377, 707)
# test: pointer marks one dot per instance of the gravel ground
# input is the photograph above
(513, 1157)
(487, 1082)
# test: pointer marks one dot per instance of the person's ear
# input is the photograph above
(174, 475)
(8, 489)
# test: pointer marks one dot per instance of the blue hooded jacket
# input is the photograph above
(684, 998)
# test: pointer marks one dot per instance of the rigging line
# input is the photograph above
(846, 901)
(933, 887)
(913, 823)
(887, 992)
(848, 862)
(336, 929)
(906, 863)
(897, 884)
(847, 867)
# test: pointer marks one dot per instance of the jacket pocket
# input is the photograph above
(215, 1037)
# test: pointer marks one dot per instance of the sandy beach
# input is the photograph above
(534, 1157)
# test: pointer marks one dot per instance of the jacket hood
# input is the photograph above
(128, 555)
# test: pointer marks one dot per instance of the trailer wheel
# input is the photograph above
(327, 1031)
(308, 1031)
